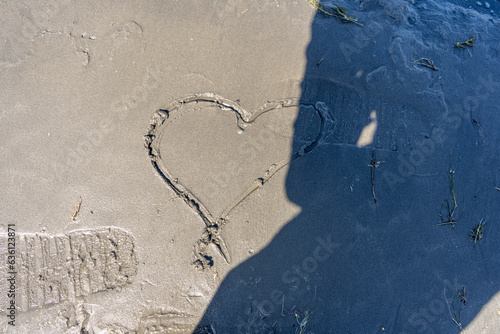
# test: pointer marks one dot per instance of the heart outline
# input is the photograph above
(213, 226)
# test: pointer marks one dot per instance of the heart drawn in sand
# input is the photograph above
(211, 143)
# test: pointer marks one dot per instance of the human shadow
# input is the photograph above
(359, 259)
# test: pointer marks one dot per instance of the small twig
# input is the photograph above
(451, 222)
(77, 209)
(374, 164)
(319, 62)
(476, 233)
(469, 42)
(425, 62)
(216, 274)
(461, 295)
(475, 121)
(337, 12)
(303, 323)
(454, 317)
(446, 204)
(452, 188)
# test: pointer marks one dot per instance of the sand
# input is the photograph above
(249, 167)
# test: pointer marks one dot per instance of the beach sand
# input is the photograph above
(249, 167)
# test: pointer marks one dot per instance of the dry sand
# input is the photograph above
(204, 206)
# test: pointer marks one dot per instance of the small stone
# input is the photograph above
(487, 4)
(479, 3)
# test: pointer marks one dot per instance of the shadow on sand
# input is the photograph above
(348, 264)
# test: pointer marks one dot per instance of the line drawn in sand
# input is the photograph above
(213, 224)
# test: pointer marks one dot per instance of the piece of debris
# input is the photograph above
(374, 164)
(319, 62)
(77, 209)
(450, 206)
(461, 295)
(338, 12)
(469, 43)
(476, 233)
(425, 62)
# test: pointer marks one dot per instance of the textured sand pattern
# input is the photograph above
(52, 269)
